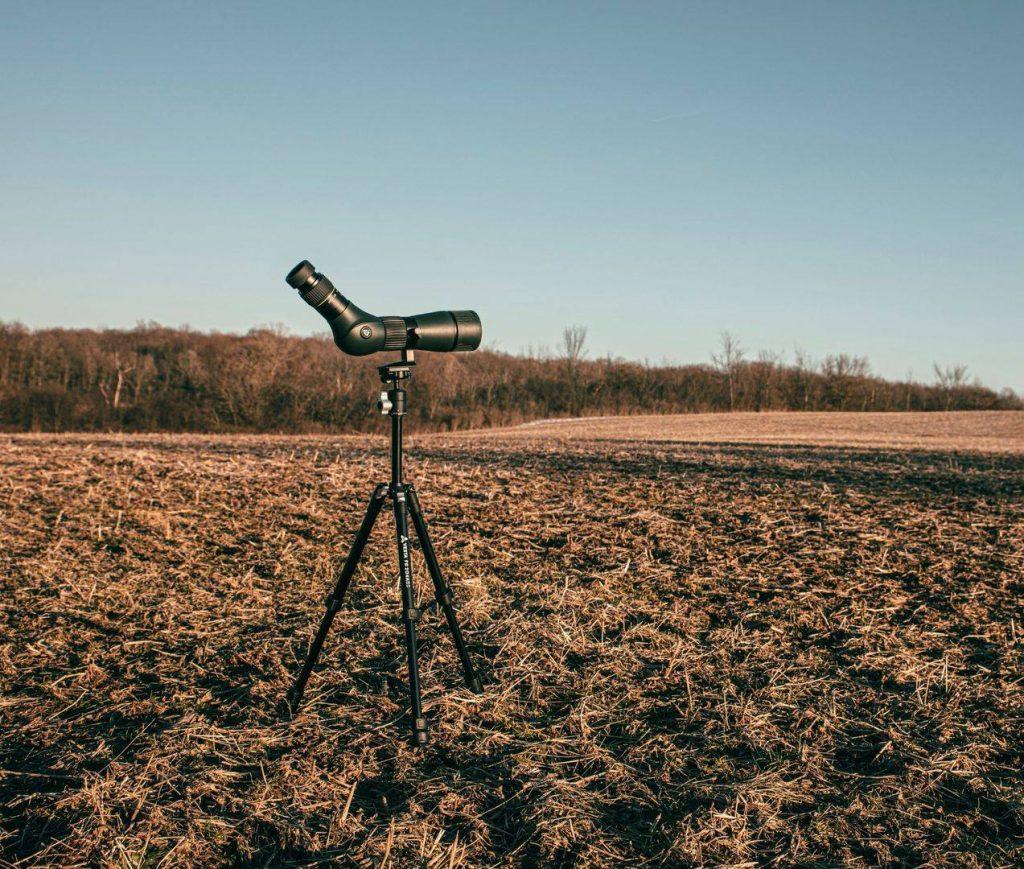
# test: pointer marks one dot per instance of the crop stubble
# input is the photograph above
(694, 654)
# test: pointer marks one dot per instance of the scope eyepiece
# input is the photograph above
(358, 333)
(312, 286)
(301, 274)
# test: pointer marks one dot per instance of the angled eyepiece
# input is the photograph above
(312, 286)
(358, 333)
(301, 274)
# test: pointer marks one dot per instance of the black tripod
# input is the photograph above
(403, 497)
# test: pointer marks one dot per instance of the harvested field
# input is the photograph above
(695, 653)
(999, 431)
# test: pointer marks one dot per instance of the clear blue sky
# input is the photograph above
(839, 176)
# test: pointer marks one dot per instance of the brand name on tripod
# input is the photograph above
(406, 567)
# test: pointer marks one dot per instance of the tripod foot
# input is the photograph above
(293, 700)
(475, 685)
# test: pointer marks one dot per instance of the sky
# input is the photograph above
(838, 177)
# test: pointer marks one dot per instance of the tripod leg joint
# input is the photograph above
(411, 614)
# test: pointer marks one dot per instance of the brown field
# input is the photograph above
(695, 652)
(1000, 431)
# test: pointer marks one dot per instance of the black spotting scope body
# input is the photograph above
(359, 333)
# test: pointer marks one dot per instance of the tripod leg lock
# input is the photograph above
(445, 597)
(411, 614)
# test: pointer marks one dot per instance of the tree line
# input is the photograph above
(154, 378)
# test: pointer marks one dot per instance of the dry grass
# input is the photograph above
(977, 431)
(696, 654)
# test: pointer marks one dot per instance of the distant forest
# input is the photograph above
(153, 378)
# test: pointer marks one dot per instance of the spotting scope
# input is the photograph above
(359, 333)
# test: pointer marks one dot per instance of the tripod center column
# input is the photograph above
(396, 395)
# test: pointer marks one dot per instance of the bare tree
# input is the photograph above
(804, 369)
(951, 379)
(764, 373)
(112, 393)
(574, 338)
(841, 371)
(728, 360)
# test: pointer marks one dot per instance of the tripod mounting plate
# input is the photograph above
(400, 370)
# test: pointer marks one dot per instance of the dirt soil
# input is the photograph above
(694, 653)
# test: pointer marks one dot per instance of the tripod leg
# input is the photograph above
(410, 615)
(294, 696)
(442, 592)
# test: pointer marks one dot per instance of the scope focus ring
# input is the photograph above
(317, 294)
(395, 333)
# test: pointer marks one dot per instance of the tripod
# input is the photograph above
(405, 501)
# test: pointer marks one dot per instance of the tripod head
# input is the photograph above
(392, 402)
